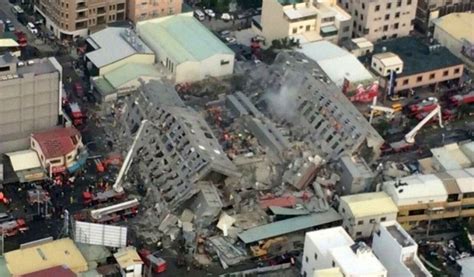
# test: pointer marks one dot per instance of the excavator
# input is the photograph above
(272, 246)
(409, 139)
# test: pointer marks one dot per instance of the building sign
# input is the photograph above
(391, 83)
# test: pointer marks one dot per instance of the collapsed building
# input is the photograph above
(298, 94)
(176, 146)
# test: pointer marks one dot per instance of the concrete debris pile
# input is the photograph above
(244, 169)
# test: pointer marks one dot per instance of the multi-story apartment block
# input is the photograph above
(422, 199)
(380, 19)
(138, 10)
(29, 99)
(428, 10)
(398, 251)
(68, 19)
(303, 20)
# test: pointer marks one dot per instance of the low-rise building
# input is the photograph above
(363, 212)
(45, 255)
(124, 80)
(398, 251)
(303, 20)
(334, 248)
(449, 157)
(422, 199)
(385, 63)
(330, 57)
(130, 263)
(59, 149)
(138, 10)
(356, 175)
(186, 48)
(439, 66)
(114, 47)
(359, 46)
(454, 31)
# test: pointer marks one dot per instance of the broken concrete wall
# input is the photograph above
(356, 175)
(207, 205)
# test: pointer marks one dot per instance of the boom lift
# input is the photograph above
(117, 191)
(374, 107)
(410, 136)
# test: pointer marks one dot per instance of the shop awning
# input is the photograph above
(26, 165)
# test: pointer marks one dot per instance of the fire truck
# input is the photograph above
(458, 100)
(109, 214)
(90, 198)
(426, 106)
(76, 114)
(12, 227)
(153, 260)
(366, 95)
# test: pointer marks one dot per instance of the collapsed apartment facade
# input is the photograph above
(301, 97)
(176, 147)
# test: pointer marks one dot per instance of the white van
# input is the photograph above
(32, 28)
(199, 15)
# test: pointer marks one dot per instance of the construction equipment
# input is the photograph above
(12, 227)
(273, 246)
(410, 136)
(374, 107)
(109, 214)
(458, 100)
(89, 198)
(153, 260)
(426, 105)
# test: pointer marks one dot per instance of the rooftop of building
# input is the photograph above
(44, 256)
(458, 25)
(56, 142)
(464, 179)
(183, 37)
(412, 50)
(330, 57)
(329, 272)
(113, 44)
(388, 58)
(329, 10)
(329, 238)
(128, 256)
(287, 226)
(113, 80)
(33, 66)
(357, 260)
(369, 204)
(357, 166)
(451, 157)
(416, 189)
(302, 12)
(56, 271)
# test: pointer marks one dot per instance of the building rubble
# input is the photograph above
(219, 176)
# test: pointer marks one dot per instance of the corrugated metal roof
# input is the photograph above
(288, 226)
(183, 38)
(330, 57)
(286, 211)
(129, 72)
(112, 46)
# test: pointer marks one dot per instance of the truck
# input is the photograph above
(75, 113)
(426, 105)
(458, 100)
(90, 198)
(109, 214)
(153, 260)
(12, 227)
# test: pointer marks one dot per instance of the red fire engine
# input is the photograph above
(12, 227)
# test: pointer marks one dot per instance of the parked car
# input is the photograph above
(226, 17)
(9, 25)
(230, 40)
(32, 28)
(199, 15)
(210, 13)
(224, 34)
